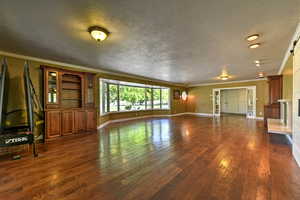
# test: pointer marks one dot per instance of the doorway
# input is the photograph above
(235, 100)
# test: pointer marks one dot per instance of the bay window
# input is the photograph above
(119, 96)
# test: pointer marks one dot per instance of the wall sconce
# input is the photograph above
(184, 95)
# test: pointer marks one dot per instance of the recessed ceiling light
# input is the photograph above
(252, 37)
(257, 61)
(257, 65)
(98, 33)
(254, 46)
(261, 75)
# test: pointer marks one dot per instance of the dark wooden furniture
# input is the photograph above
(272, 110)
(69, 102)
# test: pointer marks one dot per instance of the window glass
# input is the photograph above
(119, 97)
(156, 98)
(113, 98)
(104, 97)
(132, 98)
(148, 98)
(165, 98)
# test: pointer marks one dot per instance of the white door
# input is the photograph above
(224, 101)
(216, 102)
(296, 102)
(234, 101)
(242, 102)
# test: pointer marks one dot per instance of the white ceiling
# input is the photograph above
(180, 41)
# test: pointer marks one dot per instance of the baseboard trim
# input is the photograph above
(172, 115)
(295, 150)
(140, 117)
(296, 154)
(289, 139)
(200, 114)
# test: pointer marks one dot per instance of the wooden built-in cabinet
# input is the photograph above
(275, 89)
(53, 123)
(69, 102)
(272, 110)
(91, 119)
(67, 119)
(80, 121)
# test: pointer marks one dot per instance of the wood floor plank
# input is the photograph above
(184, 157)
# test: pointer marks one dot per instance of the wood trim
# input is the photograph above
(228, 82)
(288, 53)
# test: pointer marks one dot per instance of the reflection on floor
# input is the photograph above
(184, 157)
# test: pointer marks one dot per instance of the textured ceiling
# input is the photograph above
(182, 41)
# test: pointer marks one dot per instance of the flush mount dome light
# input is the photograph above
(98, 33)
(257, 61)
(254, 46)
(224, 77)
(252, 37)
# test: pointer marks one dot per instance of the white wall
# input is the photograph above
(234, 101)
(296, 97)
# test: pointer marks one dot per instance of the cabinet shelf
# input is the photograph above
(71, 99)
(74, 109)
(71, 81)
(71, 88)
(52, 81)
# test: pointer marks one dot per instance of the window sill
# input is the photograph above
(131, 111)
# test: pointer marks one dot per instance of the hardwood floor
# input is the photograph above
(184, 157)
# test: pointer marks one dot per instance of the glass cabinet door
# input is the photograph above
(90, 89)
(52, 87)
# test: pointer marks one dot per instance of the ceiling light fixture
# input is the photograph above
(257, 65)
(261, 75)
(252, 37)
(98, 33)
(257, 61)
(254, 46)
(224, 77)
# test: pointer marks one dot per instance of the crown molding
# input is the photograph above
(287, 53)
(228, 82)
(80, 67)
